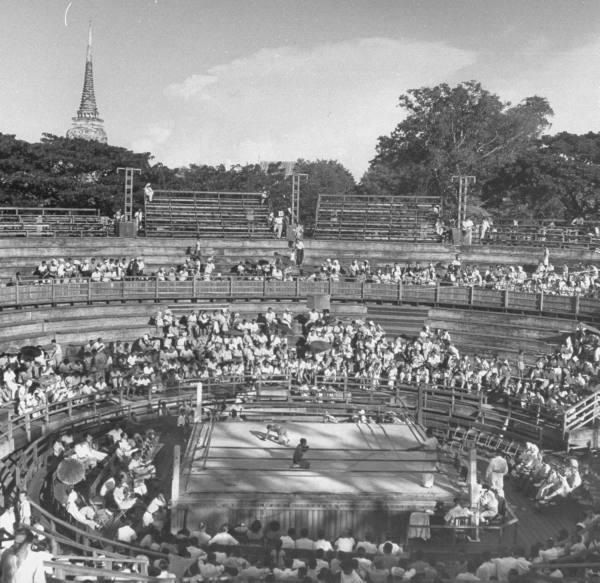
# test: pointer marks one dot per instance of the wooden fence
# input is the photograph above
(88, 292)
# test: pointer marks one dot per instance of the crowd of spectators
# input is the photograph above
(118, 491)
(327, 356)
(581, 280)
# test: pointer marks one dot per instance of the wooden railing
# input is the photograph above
(20, 295)
(428, 404)
(582, 413)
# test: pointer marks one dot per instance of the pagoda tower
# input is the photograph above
(87, 125)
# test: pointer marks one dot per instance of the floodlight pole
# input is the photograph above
(463, 189)
(128, 203)
(296, 178)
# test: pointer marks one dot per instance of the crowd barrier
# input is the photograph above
(87, 291)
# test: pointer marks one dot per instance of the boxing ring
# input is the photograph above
(361, 476)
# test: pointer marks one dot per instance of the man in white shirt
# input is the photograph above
(304, 542)
(288, 541)
(345, 543)
(367, 544)
(487, 569)
(223, 538)
(126, 534)
(322, 543)
(496, 470)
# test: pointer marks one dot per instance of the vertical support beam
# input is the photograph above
(175, 481)
(541, 301)
(472, 477)
(198, 412)
(28, 426)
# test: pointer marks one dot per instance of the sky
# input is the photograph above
(243, 81)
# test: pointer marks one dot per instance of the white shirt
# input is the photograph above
(126, 534)
(345, 544)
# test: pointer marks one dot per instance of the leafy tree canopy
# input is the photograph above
(449, 131)
(560, 178)
(62, 172)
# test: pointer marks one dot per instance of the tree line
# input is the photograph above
(521, 170)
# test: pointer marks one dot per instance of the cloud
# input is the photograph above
(565, 78)
(193, 86)
(152, 137)
(327, 101)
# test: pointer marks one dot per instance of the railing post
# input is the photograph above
(505, 303)
(123, 288)
(362, 291)
(400, 291)
(436, 296)
(541, 301)
(47, 414)
(10, 427)
(89, 290)
(297, 291)
(230, 287)
(53, 293)
(156, 294)
(17, 293)
(70, 408)
(28, 426)
(420, 404)
(471, 295)
(194, 286)
(576, 304)
(329, 287)
(94, 405)
(264, 287)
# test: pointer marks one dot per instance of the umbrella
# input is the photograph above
(30, 352)
(70, 471)
(319, 346)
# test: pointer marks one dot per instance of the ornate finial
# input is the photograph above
(89, 47)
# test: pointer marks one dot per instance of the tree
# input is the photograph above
(61, 172)
(324, 177)
(559, 179)
(450, 131)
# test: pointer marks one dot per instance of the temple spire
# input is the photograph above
(87, 124)
(89, 47)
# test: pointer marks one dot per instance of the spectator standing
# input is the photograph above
(19, 563)
(299, 248)
(496, 470)
(278, 225)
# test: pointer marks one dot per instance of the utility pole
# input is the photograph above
(463, 188)
(129, 173)
(296, 178)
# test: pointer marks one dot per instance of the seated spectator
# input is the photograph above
(288, 541)
(487, 504)
(223, 538)
(387, 559)
(346, 542)
(255, 531)
(457, 512)
(304, 542)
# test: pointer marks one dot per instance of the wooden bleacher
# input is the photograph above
(206, 214)
(51, 222)
(389, 218)
(542, 233)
